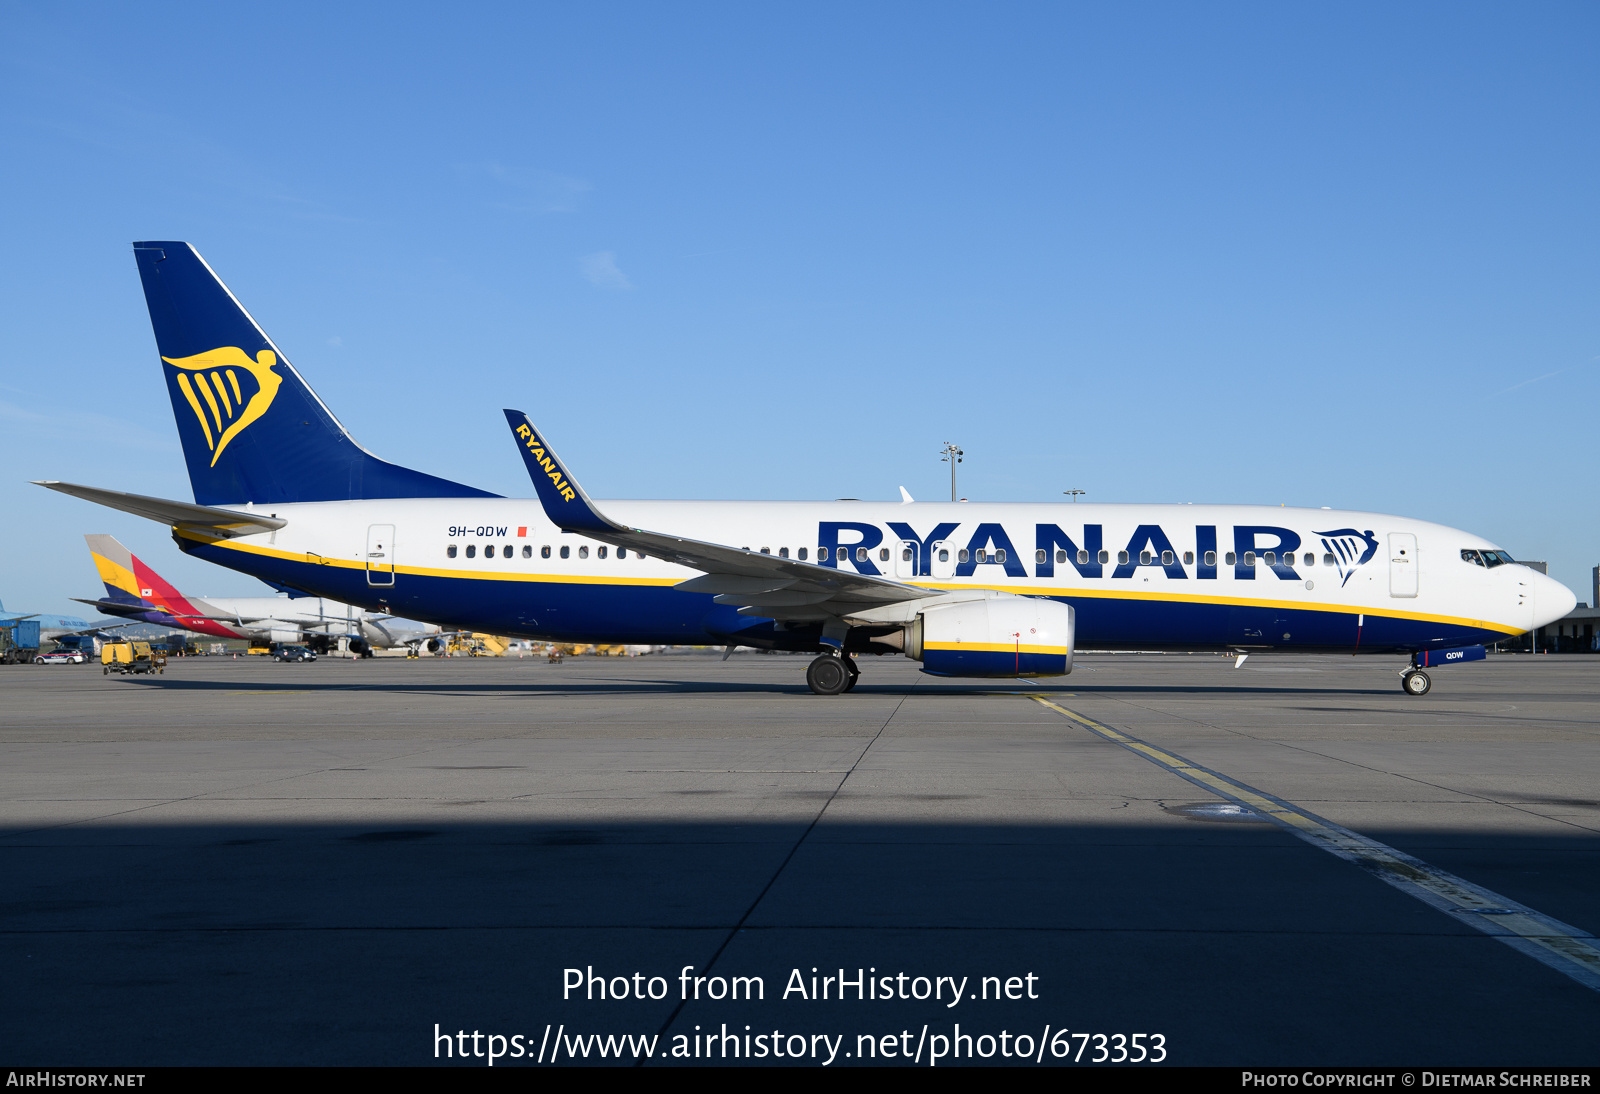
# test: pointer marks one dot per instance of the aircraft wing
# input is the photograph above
(763, 584)
(227, 523)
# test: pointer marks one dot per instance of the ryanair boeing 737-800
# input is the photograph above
(282, 492)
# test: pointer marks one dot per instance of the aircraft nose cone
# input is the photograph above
(1551, 600)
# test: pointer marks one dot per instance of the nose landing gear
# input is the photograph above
(832, 675)
(1413, 682)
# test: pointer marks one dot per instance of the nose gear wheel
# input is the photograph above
(1415, 683)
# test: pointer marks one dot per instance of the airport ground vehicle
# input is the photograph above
(86, 644)
(135, 657)
(19, 642)
(970, 590)
(61, 657)
(293, 653)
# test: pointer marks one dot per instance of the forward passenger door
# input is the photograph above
(1402, 564)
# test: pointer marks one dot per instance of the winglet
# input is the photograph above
(564, 501)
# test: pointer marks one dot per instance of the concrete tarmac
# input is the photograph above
(242, 862)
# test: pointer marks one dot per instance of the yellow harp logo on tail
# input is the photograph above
(216, 395)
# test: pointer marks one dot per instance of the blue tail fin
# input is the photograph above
(252, 430)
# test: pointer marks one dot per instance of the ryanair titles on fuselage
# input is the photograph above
(1244, 548)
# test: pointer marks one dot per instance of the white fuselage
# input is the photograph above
(1159, 576)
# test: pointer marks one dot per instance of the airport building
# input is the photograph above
(1575, 632)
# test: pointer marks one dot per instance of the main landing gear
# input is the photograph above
(832, 674)
(1413, 682)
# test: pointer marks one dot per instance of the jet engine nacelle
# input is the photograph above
(283, 637)
(1005, 636)
(430, 645)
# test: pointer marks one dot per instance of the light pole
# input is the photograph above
(952, 456)
(1074, 493)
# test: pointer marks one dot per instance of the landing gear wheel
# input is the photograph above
(827, 675)
(1415, 683)
(855, 673)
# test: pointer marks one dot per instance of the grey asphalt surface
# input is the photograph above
(247, 862)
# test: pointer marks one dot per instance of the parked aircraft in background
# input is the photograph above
(50, 624)
(284, 493)
(135, 591)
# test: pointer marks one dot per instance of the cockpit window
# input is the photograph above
(1490, 559)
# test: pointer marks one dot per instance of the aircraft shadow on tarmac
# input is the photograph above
(345, 943)
(707, 687)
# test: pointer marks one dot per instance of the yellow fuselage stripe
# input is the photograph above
(995, 647)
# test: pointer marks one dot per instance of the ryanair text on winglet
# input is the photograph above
(536, 446)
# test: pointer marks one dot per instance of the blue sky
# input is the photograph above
(1335, 255)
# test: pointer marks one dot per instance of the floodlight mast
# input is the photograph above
(1074, 493)
(952, 456)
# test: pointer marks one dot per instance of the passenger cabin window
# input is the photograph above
(944, 554)
(1211, 559)
(600, 553)
(1083, 558)
(507, 551)
(983, 555)
(963, 556)
(1166, 558)
(1122, 558)
(1105, 557)
(861, 554)
(1327, 560)
(802, 554)
(1040, 556)
(488, 550)
(1309, 559)
(1249, 558)
(905, 554)
(1269, 557)
(1188, 558)
(471, 550)
(566, 552)
(544, 552)
(842, 554)
(450, 551)
(883, 554)
(1144, 558)
(766, 550)
(1230, 558)
(527, 551)
(583, 552)
(783, 552)
(622, 552)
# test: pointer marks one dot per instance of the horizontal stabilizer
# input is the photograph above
(226, 523)
(118, 607)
